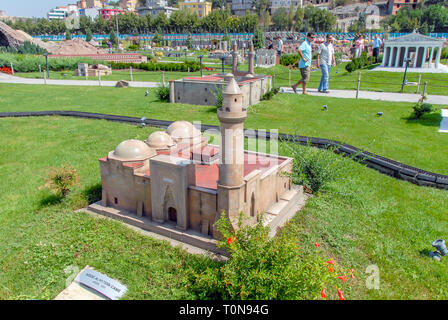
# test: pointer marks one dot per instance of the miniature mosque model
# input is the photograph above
(177, 184)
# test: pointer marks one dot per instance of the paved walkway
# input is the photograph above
(384, 96)
(372, 95)
(4, 78)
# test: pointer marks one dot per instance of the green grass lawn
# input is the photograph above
(394, 135)
(370, 80)
(339, 78)
(361, 219)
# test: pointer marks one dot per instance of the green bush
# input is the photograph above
(133, 47)
(361, 62)
(289, 59)
(270, 94)
(150, 66)
(163, 92)
(61, 180)
(30, 63)
(262, 268)
(218, 96)
(312, 167)
(421, 108)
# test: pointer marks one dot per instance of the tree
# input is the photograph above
(298, 19)
(88, 35)
(113, 38)
(259, 39)
(280, 19)
(157, 39)
(189, 43)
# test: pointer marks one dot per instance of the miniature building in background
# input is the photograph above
(179, 181)
(92, 71)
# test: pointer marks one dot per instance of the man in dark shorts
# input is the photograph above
(305, 53)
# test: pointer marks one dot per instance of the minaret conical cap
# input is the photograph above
(232, 88)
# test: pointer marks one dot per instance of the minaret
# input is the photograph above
(231, 168)
(235, 58)
(251, 55)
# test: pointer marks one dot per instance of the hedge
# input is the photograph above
(361, 62)
(30, 63)
(149, 66)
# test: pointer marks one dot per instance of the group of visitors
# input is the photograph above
(325, 58)
(359, 46)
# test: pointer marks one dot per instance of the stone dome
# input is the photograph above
(159, 140)
(182, 131)
(133, 150)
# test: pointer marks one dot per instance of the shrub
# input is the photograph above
(289, 59)
(421, 108)
(260, 267)
(61, 180)
(218, 96)
(312, 167)
(270, 94)
(133, 47)
(163, 92)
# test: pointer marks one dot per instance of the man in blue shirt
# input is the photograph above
(305, 53)
(376, 47)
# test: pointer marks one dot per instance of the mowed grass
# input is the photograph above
(361, 219)
(381, 81)
(394, 135)
(40, 237)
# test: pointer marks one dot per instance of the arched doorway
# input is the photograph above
(172, 214)
(252, 205)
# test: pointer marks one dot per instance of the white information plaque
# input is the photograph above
(108, 287)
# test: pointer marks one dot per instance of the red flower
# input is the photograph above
(230, 240)
(330, 262)
(323, 293)
(331, 269)
(352, 276)
(343, 278)
(341, 295)
(316, 244)
(352, 270)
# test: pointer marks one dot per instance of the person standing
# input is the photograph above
(304, 52)
(359, 46)
(279, 49)
(325, 59)
(376, 47)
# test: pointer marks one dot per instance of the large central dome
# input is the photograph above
(132, 150)
(183, 131)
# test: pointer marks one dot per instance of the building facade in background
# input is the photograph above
(201, 7)
(240, 7)
(110, 12)
(276, 4)
(395, 5)
(155, 7)
(58, 13)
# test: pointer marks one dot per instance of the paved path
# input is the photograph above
(372, 95)
(4, 78)
(385, 96)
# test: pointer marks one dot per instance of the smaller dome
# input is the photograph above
(159, 140)
(133, 150)
(182, 130)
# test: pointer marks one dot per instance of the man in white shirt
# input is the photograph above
(325, 59)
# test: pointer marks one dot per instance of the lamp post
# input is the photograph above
(200, 60)
(407, 60)
(46, 60)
